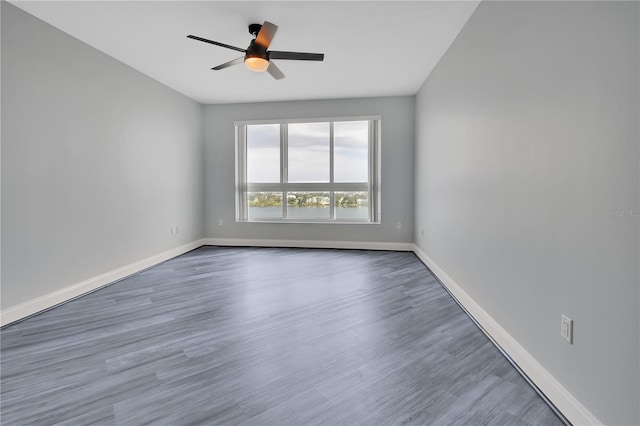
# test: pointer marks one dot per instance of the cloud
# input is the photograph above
(309, 165)
(263, 165)
(309, 135)
(351, 134)
(308, 154)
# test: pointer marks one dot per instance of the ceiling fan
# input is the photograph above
(256, 57)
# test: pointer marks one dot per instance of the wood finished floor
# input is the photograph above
(259, 336)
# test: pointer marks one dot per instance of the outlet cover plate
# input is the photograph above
(566, 328)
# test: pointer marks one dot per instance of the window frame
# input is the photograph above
(372, 186)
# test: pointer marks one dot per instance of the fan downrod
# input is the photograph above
(254, 29)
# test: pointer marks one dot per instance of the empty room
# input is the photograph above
(320, 213)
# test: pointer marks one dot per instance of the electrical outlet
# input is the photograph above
(566, 328)
(177, 229)
(398, 225)
(220, 222)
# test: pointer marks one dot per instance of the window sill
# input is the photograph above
(303, 221)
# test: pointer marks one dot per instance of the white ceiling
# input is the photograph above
(372, 48)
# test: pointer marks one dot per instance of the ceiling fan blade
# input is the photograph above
(228, 64)
(275, 71)
(216, 43)
(296, 56)
(266, 33)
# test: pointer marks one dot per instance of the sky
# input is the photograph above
(309, 152)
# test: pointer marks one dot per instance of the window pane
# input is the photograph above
(351, 156)
(263, 153)
(265, 205)
(308, 152)
(308, 205)
(352, 205)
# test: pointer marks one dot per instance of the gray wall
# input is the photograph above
(397, 169)
(98, 162)
(527, 133)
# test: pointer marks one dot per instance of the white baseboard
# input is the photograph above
(564, 401)
(358, 245)
(23, 310)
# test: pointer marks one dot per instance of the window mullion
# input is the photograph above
(331, 146)
(332, 212)
(284, 163)
(284, 158)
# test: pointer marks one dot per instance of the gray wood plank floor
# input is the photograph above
(259, 336)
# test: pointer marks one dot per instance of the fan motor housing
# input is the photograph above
(255, 50)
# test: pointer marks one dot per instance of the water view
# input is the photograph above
(308, 205)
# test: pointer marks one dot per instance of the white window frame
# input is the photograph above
(372, 186)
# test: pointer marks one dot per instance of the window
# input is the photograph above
(320, 170)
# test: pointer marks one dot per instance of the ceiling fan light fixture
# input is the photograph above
(256, 57)
(256, 63)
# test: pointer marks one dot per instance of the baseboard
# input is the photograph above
(559, 396)
(42, 303)
(358, 245)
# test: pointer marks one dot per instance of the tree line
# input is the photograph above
(307, 199)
